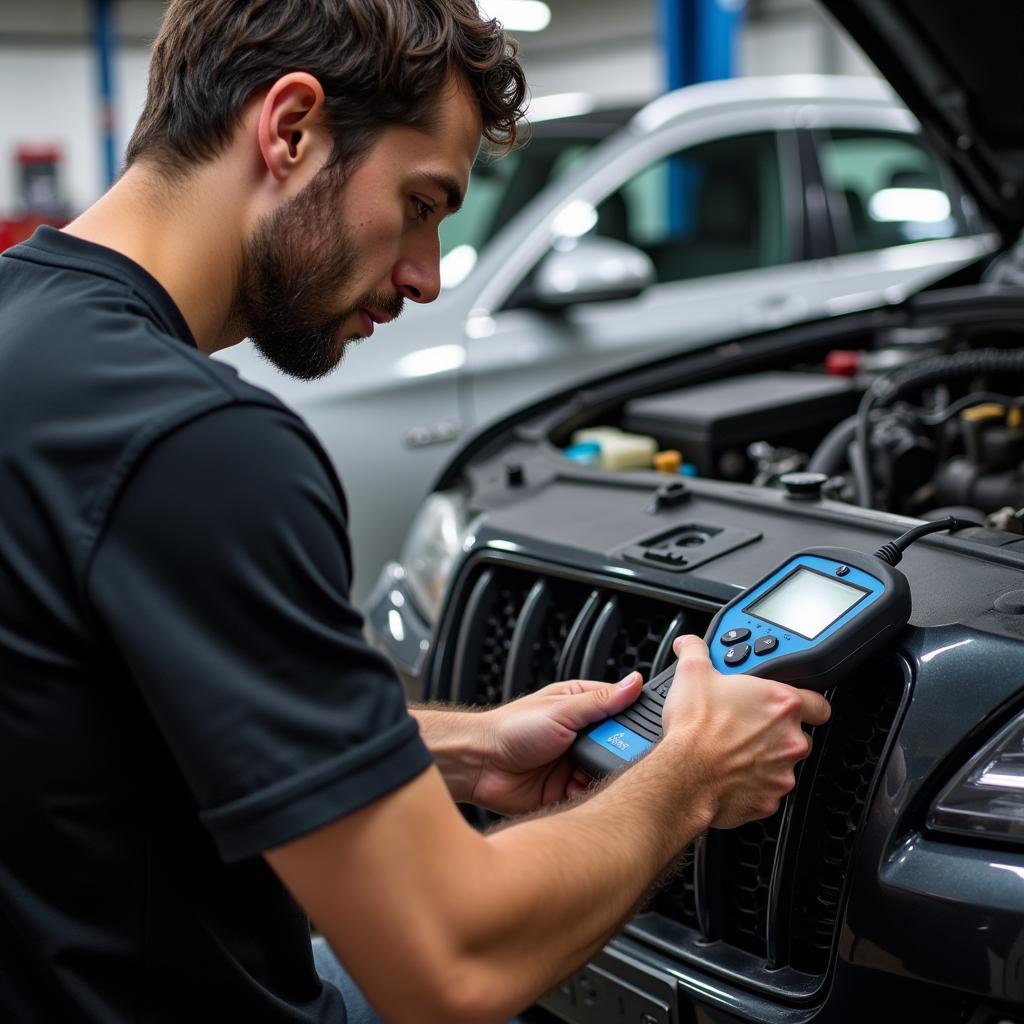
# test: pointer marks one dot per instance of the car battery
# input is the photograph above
(713, 424)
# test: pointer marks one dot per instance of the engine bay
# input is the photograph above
(941, 425)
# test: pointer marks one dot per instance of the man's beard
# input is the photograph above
(299, 258)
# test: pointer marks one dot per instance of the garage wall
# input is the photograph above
(614, 49)
(49, 75)
(49, 87)
(782, 36)
(605, 47)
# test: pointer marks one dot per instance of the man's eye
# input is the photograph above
(423, 209)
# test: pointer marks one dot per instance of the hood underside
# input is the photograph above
(960, 67)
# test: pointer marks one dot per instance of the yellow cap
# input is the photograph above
(668, 461)
(984, 411)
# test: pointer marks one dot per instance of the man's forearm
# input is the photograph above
(457, 739)
(560, 885)
(575, 873)
(486, 923)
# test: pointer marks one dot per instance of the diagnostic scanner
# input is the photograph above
(809, 623)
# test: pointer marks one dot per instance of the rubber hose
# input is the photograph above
(829, 456)
(933, 370)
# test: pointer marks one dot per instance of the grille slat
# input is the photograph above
(664, 656)
(575, 642)
(862, 719)
(596, 655)
(772, 889)
(535, 612)
(485, 638)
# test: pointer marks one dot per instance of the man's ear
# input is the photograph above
(290, 128)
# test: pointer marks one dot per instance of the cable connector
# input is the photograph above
(889, 553)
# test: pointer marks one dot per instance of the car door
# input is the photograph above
(723, 211)
(892, 205)
(713, 207)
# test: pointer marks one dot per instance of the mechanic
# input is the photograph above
(198, 748)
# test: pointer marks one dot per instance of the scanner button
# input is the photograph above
(765, 644)
(739, 654)
(735, 636)
(843, 570)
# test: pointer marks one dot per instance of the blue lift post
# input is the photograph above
(699, 41)
(103, 25)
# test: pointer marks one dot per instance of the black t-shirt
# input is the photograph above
(183, 679)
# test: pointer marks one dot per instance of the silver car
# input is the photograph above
(716, 210)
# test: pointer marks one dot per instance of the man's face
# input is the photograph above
(346, 252)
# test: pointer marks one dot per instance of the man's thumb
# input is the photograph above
(690, 646)
(591, 706)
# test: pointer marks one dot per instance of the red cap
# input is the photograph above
(27, 153)
(842, 362)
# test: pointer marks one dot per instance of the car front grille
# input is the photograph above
(770, 891)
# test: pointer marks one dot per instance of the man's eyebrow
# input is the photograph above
(449, 186)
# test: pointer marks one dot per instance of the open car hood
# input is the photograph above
(960, 67)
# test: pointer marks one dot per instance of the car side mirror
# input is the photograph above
(593, 269)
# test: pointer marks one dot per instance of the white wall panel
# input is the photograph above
(631, 74)
(50, 96)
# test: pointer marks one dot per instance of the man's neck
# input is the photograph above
(188, 235)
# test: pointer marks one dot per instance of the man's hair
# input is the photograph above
(381, 63)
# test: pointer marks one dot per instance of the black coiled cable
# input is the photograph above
(891, 386)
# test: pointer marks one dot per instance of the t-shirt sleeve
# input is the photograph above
(223, 579)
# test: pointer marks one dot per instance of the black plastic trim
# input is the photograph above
(528, 625)
(469, 641)
(568, 664)
(600, 641)
(664, 655)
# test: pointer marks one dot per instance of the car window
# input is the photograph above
(711, 209)
(498, 190)
(888, 189)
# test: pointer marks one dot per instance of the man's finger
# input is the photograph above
(688, 642)
(691, 652)
(816, 710)
(594, 705)
(572, 686)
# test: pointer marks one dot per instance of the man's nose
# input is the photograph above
(418, 275)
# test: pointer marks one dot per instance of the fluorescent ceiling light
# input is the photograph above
(575, 219)
(559, 104)
(456, 265)
(929, 205)
(518, 15)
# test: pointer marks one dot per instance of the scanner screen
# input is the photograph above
(806, 602)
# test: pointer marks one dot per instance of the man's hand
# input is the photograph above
(747, 730)
(524, 764)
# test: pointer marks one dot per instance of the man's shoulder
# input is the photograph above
(94, 378)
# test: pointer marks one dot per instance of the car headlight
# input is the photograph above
(431, 547)
(986, 797)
